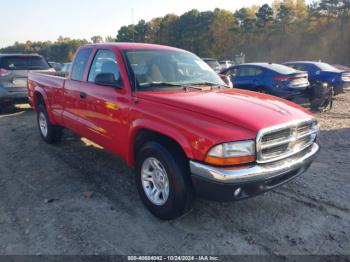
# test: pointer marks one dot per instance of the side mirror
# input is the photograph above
(108, 79)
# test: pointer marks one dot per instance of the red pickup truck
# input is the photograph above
(172, 118)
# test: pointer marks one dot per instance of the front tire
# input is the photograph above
(49, 133)
(163, 181)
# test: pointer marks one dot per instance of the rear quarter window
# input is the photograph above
(23, 63)
(249, 71)
(80, 62)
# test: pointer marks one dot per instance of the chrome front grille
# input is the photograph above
(276, 136)
(285, 140)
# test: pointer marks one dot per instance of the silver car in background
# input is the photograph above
(225, 64)
(14, 70)
(213, 63)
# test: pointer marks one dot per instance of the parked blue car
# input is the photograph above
(270, 78)
(326, 73)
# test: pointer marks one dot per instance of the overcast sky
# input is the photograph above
(48, 19)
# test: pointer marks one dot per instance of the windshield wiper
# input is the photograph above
(167, 84)
(36, 68)
(208, 84)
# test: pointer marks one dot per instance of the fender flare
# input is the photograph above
(160, 128)
(42, 92)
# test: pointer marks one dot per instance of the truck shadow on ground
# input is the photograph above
(109, 175)
(259, 223)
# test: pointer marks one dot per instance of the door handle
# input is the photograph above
(83, 95)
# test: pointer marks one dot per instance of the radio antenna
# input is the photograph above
(132, 22)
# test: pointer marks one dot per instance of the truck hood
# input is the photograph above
(246, 109)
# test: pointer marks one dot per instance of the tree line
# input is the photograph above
(284, 30)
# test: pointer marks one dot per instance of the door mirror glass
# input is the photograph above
(108, 79)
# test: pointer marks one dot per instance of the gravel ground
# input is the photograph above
(46, 206)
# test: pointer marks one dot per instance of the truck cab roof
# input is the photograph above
(130, 46)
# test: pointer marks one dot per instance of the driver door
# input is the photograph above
(104, 109)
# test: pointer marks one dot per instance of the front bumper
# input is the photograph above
(225, 184)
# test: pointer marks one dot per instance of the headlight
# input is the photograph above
(233, 153)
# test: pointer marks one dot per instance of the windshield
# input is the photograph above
(326, 67)
(176, 67)
(24, 63)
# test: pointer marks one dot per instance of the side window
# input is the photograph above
(248, 71)
(258, 71)
(104, 62)
(243, 71)
(80, 64)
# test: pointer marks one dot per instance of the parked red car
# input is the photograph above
(171, 117)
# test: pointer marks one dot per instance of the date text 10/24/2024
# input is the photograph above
(173, 258)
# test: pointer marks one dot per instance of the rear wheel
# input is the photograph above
(163, 181)
(50, 133)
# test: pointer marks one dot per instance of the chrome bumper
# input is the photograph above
(257, 172)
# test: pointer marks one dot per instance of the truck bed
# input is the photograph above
(47, 81)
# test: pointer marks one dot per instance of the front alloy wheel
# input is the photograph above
(163, 180)
(155, 181)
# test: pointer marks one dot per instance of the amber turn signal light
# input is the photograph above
(229, 161)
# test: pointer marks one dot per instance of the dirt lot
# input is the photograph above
(43, 209)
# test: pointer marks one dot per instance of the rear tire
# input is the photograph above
(176, 196)
(50, 133)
